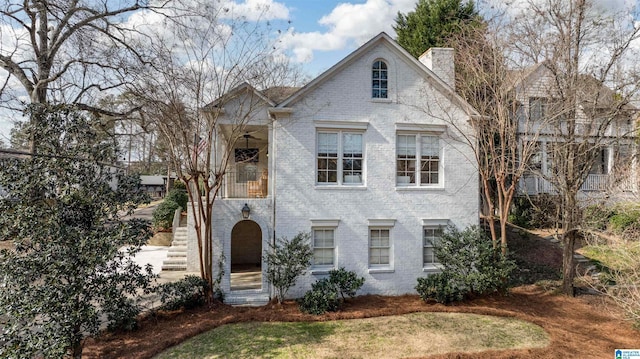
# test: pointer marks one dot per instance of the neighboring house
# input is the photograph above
(365, 157)
(614, 173)
(156, 185)
(21, 154)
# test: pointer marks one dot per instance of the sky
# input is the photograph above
(322, 32)
(325, 31)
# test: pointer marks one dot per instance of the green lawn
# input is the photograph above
(416, 334)
(620, 256)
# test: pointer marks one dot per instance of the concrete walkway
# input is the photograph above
(155, 255)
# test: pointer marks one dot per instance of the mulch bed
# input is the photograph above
(579, 327)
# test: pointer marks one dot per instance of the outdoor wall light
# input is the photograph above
(246, 211)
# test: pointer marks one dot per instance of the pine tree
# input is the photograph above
(433, 22)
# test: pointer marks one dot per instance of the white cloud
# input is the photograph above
(348, 24)
(303, 44)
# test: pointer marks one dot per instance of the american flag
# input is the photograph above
(199, 148)
(201, 145)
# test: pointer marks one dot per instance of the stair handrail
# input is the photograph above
(176, 221)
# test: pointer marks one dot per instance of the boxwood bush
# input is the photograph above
(178, 196)
(162, 216)
(189, 292)
(439, 287)
(470, 266)
(328, 294)
(323, 297)
(346, 282)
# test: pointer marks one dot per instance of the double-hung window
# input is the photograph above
(430, 236)
(323, 247)
(339, 157)
(379, 247)
(418, 160)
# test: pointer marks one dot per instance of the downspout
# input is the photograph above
(273, 187)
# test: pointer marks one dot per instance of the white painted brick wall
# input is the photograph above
(227, 214)
(347, 97)
(441, 61)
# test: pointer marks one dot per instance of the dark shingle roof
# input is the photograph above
(279, 93)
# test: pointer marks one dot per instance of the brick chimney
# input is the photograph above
(440, 61)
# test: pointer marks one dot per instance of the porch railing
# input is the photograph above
(532, 184)
(243, 185)
(596, 183)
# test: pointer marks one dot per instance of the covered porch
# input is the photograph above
(247, 174)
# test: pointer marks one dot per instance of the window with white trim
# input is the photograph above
(418, 160)
(323, 247)
(339, 157)
(430, 236)
(379, 247)
(379, 79)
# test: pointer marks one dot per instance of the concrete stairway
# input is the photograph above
(177, 254)
(246, 298)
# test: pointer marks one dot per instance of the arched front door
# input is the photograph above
(246, 256)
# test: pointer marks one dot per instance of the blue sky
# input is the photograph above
(325, 31)
(321, 32)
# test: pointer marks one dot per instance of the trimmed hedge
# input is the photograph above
(178, 196)
(189, 292)
(162, 216)
(470, 266)
(328, 294)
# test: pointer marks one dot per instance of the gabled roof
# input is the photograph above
(518, 77)
(278, 94)
(243, 87)
(387, 40)
(591, 92)
(272, 95)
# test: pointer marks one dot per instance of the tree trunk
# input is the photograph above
(568, 265)
(490, 210)
(75, 350)
(570, 222)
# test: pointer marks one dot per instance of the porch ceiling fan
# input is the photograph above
(248, 136)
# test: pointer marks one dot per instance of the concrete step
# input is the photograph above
(177, 254)
(171, 261)
(174, 267)
(246, 300)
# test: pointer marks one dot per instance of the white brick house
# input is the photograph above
(367, 157)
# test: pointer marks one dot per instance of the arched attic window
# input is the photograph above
(379, 79)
